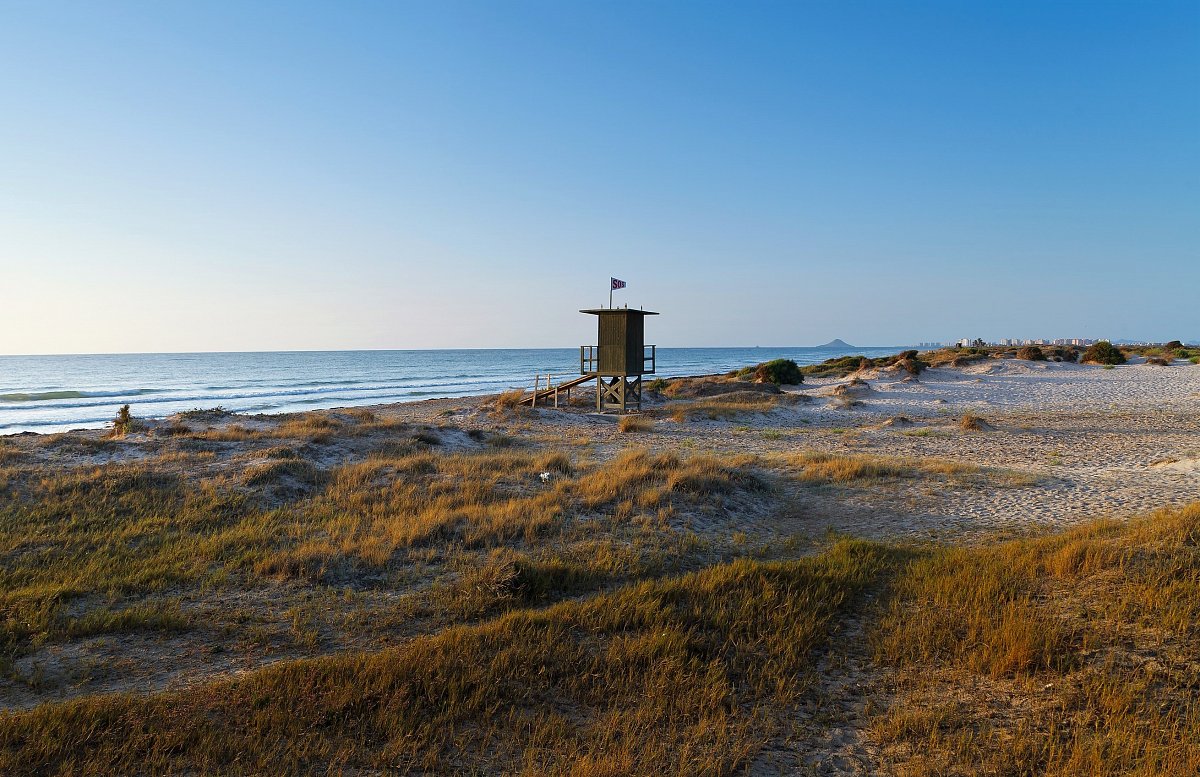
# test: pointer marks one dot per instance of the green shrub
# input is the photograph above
(1064, 354)
(779, 371)
(124, 423)
(1103, 352)
(1031, 353)
(837, 368)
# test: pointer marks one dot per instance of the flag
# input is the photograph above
(617, 284)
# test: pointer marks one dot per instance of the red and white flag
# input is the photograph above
(617, 284)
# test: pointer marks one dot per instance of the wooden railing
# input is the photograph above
(589, 359)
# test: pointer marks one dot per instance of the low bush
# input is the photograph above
(1031, 353)
(205, 414)
(1158, 361)
(1064, 354)
(1103, 352)
(971, 423)
(836, 368)
(779, 372)
(124, 422)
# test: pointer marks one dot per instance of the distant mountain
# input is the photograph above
(836, 344)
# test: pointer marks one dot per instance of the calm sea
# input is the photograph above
(54, 393)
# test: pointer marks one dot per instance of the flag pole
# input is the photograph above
(610, 291)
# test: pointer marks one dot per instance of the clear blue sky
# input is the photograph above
(278, 175)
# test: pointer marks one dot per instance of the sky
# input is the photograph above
(180, 176)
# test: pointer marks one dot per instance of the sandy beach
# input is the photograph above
(1050, 446)
(1079, 441)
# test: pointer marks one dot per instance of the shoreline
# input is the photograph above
(1089, 440)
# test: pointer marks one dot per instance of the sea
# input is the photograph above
(57, 393)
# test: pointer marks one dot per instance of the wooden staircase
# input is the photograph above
(551, 392)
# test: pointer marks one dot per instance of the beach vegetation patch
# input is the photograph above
(820, 467)
(955, 357)
(287, 469)
(1031, 353)
(629, 424)
(1079, 646)
(840, 367)
(779, 372)
(1103, 352)
(535, 612)
(201, 414)
(972, 423)
(727, 407)
(650, 670)
(124, 423)
(837, 368)
(510, 404)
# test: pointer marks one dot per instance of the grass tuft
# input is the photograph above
(629, 424)
(972, 423)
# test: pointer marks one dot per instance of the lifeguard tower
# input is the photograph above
(619, 359)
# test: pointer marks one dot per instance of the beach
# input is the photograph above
(1085, 441)
(58, 393)
(286, 537)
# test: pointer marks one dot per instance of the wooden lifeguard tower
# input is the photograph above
(619, 359)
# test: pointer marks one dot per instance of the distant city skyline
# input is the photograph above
(229, 176)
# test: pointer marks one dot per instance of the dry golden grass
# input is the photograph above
(228, 433)
(554, 623)
(10, 453)
(129, 532)
(645, 680)
(846, 468)
(724, 407)
(362, 415)
(509, 403)
(971, 423)
(1064, 655)
(1080, 648)
(634, 423)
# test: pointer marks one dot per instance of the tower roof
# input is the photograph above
(599, 311)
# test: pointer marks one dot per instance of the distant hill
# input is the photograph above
(836, 344)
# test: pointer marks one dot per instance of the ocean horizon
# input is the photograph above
(54, 393)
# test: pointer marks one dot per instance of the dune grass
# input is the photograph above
(818, 467)
(629, 424)
(549, 619)
(78, 543)
(725, 407)
(1067, 654)
(971, 423)
(1079, 647)
(666, 677)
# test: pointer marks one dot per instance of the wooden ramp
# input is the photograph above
(548, 393)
